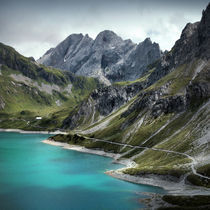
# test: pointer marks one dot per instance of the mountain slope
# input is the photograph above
(28, 90)
(164, 128)
(108, 57)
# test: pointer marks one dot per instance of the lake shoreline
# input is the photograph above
(31, 169)
(32, 132)
(170, 186)
(152, 180)
(127, 163)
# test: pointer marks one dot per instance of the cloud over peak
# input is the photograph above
(32, 27)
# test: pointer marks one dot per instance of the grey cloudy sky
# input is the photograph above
(32, 27)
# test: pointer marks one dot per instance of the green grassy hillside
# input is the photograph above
(158, 128)
(28, 90)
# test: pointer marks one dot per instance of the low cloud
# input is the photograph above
(32, 27)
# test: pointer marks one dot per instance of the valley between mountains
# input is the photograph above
(145, 106)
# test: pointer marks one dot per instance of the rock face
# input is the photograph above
(133, 64)
(101, 103)
(199, 88)
(2, 104)
(111, 98)
(108, 57)
(193, 44)
(158, 102)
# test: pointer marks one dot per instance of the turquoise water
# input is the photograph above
(34, 175)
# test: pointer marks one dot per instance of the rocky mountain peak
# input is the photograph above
(108, 57)
(107, 38)
(193, 44)
(189, 30)
(74, 37)
(147, 45)
(204, 33)
(49, 51)
(195, 39)
(147, 41)
(206, 17)
(70, 41)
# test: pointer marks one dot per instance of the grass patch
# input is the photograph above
(178, 78)
(199, 181)
(187, 201)
(148, 128)
(159, 162)
(204, 170)
(132, 153)
(76, 139)
(107, 147)
(141, 79)
(161, 171)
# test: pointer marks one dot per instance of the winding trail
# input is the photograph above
(191, 120)
(155, 149)
(143, 147)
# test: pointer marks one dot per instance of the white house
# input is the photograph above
(38, 118)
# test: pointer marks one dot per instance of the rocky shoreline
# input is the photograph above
(154, 180)
(127, 163)
(170, 186)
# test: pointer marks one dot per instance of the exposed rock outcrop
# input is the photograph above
(193, 44)
(199, 88)
(2, 104)
(157, 102)
(101, 103)
(169, 105)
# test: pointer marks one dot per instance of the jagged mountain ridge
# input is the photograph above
(164, 128)
(192, 46)
(193, 43)
(108, 57)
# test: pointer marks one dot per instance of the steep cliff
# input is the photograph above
(193, 44)
(100, 104)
